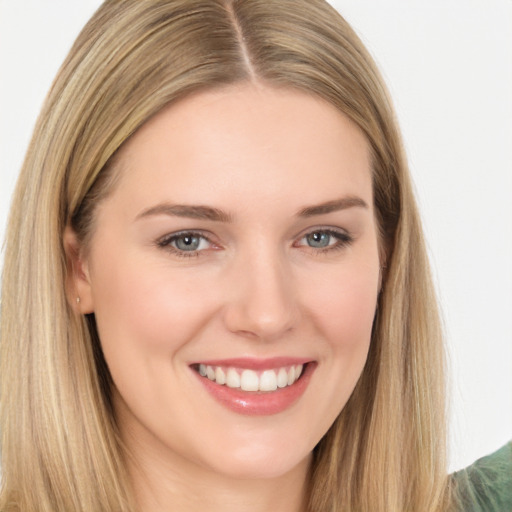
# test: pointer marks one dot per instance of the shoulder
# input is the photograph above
(486, 485)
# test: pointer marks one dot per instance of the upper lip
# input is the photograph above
(251, 363)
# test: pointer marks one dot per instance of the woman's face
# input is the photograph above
(240, 242)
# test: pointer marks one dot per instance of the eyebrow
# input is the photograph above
(215, 214)
(332, 206)
(190, 211)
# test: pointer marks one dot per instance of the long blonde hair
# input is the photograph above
(60, 447)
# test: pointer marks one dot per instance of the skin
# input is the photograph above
(255, 288)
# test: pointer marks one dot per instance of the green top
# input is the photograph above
(486, 486)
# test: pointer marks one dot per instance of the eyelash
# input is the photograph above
(166, 243)
(342, 240)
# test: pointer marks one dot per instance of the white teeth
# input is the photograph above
(210, 373)
(291, 375)
(268, 381)
(232, 378)
(220, 376)
(250, 380)
(282, 378)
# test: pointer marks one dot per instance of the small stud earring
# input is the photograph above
(78, 300)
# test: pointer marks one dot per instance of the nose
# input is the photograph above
(262, 303)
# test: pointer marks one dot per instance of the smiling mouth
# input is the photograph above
(251, 380)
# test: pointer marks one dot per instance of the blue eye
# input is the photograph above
(186, 243)
(318, 239)
(325, 240)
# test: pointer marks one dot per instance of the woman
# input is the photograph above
(226, 297)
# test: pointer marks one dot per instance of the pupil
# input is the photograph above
(187, 243)
(318, 239)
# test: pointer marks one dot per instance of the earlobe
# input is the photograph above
(78, 285)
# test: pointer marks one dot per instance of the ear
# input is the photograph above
(78, 285)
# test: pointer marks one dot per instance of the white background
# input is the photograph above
(448, 64)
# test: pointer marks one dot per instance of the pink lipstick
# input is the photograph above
(255, 386)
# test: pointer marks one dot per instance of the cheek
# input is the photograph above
(343, 305)
(145, 308)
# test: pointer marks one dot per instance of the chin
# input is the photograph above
(265, 459)
(268, 467)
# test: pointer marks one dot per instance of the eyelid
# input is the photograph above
(165, 242)
(176, 234)
(343, 237)
(324, 229)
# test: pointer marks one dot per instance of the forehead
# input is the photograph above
(252, 141)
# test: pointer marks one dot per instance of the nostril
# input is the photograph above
(254, 322)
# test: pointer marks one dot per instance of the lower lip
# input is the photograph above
(257, 403)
